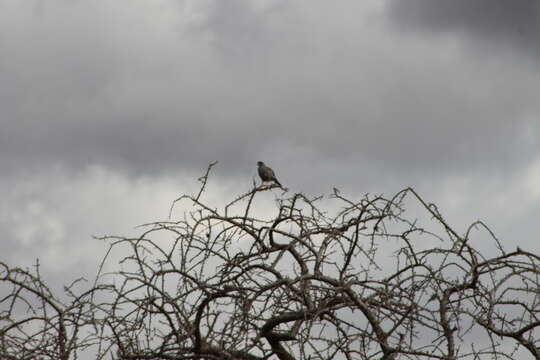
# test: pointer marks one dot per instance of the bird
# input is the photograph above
(267, 174)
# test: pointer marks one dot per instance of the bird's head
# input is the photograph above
(260, 163)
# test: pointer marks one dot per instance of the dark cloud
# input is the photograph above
(155, 90)
(513, 25)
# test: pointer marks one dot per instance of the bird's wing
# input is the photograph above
(270, 173)
(263, 173)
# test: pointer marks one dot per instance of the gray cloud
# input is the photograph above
(150, 96)
(309, 87)
(149, 90)
(512, 25)
(52, 215)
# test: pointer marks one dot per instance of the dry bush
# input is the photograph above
(365, 282)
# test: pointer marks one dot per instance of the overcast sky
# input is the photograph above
(111, 109)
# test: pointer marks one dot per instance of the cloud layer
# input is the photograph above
(509, 26)
(366, 96)
(149, 89)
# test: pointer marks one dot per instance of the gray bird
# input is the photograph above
(267, 174)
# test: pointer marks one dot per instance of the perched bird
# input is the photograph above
(267, 174)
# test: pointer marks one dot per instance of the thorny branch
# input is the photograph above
(297, 283)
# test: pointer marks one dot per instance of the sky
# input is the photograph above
(113, 109)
